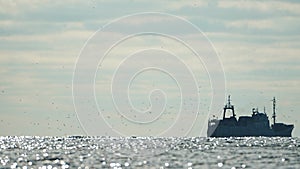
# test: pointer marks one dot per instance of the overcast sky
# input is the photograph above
(257, 42)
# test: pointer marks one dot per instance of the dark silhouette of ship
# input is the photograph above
(255, 125)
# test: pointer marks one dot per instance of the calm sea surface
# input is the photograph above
(149, 152)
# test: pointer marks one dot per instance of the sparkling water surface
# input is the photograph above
(149, 152)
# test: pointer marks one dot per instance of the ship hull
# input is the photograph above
(247, 131)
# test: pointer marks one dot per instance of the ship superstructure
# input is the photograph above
(255, 125)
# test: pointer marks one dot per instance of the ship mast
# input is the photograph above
(274, 113)
(228, 106)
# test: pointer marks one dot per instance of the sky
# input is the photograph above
(57, 80)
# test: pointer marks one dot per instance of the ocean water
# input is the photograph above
(149, 152)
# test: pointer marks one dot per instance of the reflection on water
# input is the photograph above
(148, 152)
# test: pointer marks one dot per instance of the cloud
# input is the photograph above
(284, 25)
(264, 6)
(258, 42)
(60, 36)
(244, 57)
(256, 24)
(19, 6)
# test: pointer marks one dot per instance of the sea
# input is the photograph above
(148, 152)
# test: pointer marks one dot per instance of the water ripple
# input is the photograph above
(148, 152)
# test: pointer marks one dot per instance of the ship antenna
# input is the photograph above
(274, 113)
(265, 109)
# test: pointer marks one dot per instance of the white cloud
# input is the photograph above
(178, 4)
(175, 5)
(15, 7)
(50, 37)
(279, 24)
(256, 24)
(264, 6)
(141, 20)
(241, 57)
